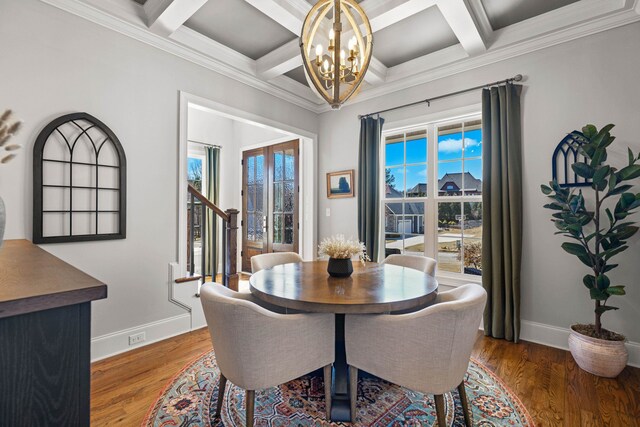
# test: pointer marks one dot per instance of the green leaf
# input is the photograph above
(631, 157)
(609, 267)
(608, 254)
(574, 248)
(626, 199)
(598, 157)
(583, 170)
(610, 215)
(589, 281)
(602, 282)
(589, 131)
(604, 308)
(629, 172)
(546, 189)
(586, 260)
(554, 206)
(602, 135)
(625, 232)
(618, 190)
(601, 174)
(616, 290)
(598, 294)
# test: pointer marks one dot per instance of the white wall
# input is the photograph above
(590, 80)
(54, 63)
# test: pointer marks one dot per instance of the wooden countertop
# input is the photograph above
(31, 279)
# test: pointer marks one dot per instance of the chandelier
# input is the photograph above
(336, 74)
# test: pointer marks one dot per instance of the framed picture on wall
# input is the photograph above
(340, 184)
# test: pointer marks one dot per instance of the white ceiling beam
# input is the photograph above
(288, 13)
(482, 20)
(459, 18)
(279, 61)
(384, 13)
(164, 17)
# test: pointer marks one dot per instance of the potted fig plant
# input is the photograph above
(598, 234)
(340, 251)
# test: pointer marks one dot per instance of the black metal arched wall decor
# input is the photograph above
(79, 182)
(567, 153)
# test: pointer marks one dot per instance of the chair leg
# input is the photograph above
(468, 416)
(353, 391)
(250, 404)
(222, 385)
(327, 390)
(440, 410)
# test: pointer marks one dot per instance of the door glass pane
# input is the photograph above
(259, 199)
(288, 197)
(277, 197)
(277, 228)
(251, 196)
(260, 169)
(289, 163)
(278, 165)
(259, 224)
(251, 235)
(251, 169)
(450, 236)
(288, 229)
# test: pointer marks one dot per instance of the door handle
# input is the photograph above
(264, 224)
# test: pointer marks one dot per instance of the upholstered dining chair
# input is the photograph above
(426, 351)
(256, 348)
(417, 262)
(260, 262)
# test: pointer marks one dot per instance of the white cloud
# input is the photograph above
(455, 145)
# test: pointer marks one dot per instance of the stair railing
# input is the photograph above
(229, 239)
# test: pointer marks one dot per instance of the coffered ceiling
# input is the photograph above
(415, 41)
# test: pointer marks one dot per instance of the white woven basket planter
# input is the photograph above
(600, 357)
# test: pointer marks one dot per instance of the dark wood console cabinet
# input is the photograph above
(45, 333)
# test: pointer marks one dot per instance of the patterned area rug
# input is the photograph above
(190, 400)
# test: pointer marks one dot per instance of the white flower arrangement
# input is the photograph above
(340, 248)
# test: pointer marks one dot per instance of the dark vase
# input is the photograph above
(340, 267)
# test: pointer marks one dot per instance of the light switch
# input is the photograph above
(328, 212)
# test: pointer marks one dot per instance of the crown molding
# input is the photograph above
(117, 15)
(568, 23)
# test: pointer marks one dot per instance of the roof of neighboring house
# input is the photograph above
(471, 183)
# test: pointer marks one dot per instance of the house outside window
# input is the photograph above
(432, 200)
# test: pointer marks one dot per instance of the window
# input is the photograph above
(196, 177)
(432, 203)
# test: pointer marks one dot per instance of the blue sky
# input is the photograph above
(450, 154)
(193, 163)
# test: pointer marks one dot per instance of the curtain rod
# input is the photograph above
(204, 143)
(516, 78)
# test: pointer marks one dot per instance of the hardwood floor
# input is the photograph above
(547, 380)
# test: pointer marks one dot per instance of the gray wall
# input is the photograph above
(54, 63)
(590, 80)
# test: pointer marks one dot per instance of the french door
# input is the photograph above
(270, 187)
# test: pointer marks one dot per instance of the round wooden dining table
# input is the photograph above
(372, 288)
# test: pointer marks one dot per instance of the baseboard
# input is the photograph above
(118, 342)
(557, 337)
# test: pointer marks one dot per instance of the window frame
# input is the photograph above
(432, 198)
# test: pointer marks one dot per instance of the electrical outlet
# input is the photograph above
(328, 212)
(136, 339)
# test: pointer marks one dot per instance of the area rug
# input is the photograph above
(190, 400)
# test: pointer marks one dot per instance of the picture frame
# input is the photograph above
(341, 184)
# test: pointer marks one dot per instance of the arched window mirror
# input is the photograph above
(79, 182)
(567, 153)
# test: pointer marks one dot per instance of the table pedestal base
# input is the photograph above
(340, 402)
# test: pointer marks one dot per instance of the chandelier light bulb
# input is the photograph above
(325, 65)
(319, 50)
(332, 35)
(343, 56)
